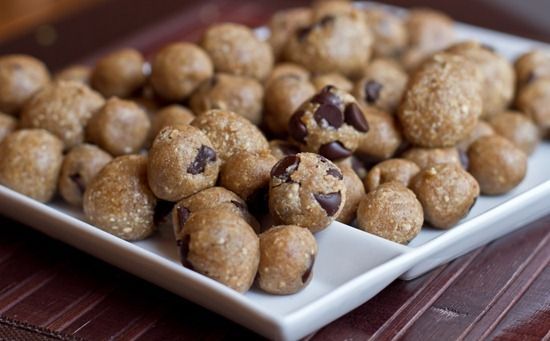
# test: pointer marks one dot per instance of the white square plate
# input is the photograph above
(352, 265)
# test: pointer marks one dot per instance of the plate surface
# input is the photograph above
(352, 265)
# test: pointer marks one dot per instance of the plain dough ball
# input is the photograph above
(426, 157)
(7, 125)
(383, 139)
(517, 128)
(398, 170)
(76, 73)
(120, 73)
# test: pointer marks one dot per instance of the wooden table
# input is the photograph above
(50, 291)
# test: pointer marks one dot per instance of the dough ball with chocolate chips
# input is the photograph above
(182, 161)
(230, 133)
(447, 193)
(334, 43)
(330, 123)
(21, 76)
(426, 157)
(390, 35)
(391, 211)
(306, 190)
(287, 69)
(517, 128)
(7, 125)
(397, 170)
(120, 73)
(283, 96)
(287, 256)
(442, 103)
(80, 166)
(119, 201)
(334, 79)
(531, 66)
(235, 49)
(497, 164)
(171, 115)
(30, 161)
(240, 95)
(119, 127)
(283, 24)
(354, 193)
(178, 69)
(221, 245)
(76, 73)
(482, 129)
(382, 85)
(280, 148)
(64, 109)
(534, 100)
(384, 137)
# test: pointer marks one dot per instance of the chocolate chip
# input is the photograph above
(358, 167)
(329, 202)
(285, 167)
(162, 212)
(303, 32)
(355, 118)
(306, 277)
(289, 149)
(328, 115)
(183, 244)
(334, 151)
(296, 128)
(325, 96)
(335, 173)
(204, 156)
(327, 19)
(183, 214)
(78, 181)
(372, 91)
(258, 201)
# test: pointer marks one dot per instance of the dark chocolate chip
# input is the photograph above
(355, 118)
(78, 181)
(183, 244)
(488, 47)
(296, 128)
(162, 212)
(327, 19)
(183, 214)
(289, 149)
(334, 151)
(464, 161)
(372, 91)
(329, 202)
(358, 167)
(285, 167)
(328, 115)
(325, 96)
(204, 156)
(303, 32)
(306, 277)
(335, 173)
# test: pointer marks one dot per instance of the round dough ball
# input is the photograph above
(392, 170)
(240, 95)
(235, 49)
(76, 73)
(7, 125)
(287, 69)
(384, 137)
(390, 35)
(30, 161)
(280, 149)
(447, 193)
(62, 108)
(120, 73)
(482, 129)
(355, 191)
(429, 30)
(497, 164)
(531, 66)
(287, 256)
(178, 69)
(534, 100)
(21, 76)
(119, 127)
(80, 166)
(392, 212)
(182, 162)
(334, 79)
(230, 133)
(442, 103)
(221, 245)
(171, 115)
(283, 24)
(306, 190)
(119, 201)
(517, 128)
(427, 157)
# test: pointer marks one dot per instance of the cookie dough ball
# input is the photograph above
(119, 73)
(390, 35)
(534, 101)
(64, 109)
(178, 69)
(287, 256)
(382, 85)
(518, 129)
(497, 74)
(230, 133)
(119, 201)
(283, 96)
(21, 76)
(7, 125)
(447, 193)
(427, 157)
(213, 197)
(221, 245)
(330, 123)
(354, 193)
(171, 115)
(391, 211)
(482, 129)
(531, 66)
(334, 79)
(80, 166)
(306, 190)
(334, 43)
(235, 49)
(283, 24)
(30, 161)
(241, 95)
(384, 137)
(287, 69)
(355, 164)
(442, 103)
(396, 170)
(182, 162)
(497, 164)
(119, 127)
(280, 148)
(76, 73)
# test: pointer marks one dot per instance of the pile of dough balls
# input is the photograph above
(248, 147)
